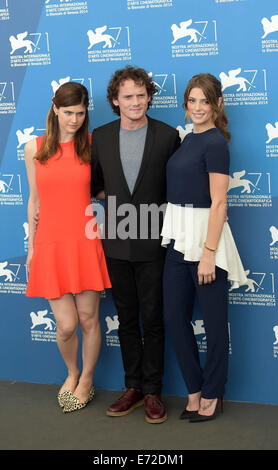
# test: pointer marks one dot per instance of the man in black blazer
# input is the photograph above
(129, 159)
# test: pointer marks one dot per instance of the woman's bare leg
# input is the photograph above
(193, 401)
(65, 313)
(87, 304)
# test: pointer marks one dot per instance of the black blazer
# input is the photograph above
(150, 188)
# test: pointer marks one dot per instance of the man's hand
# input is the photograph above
(100, 195)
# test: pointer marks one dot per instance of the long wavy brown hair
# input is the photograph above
(68, 94)
(211, 88)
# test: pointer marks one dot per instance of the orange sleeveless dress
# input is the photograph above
(65, 260)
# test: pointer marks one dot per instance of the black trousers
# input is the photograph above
(137, 288)
(180, 288)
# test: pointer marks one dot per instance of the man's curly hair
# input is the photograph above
(138, 75)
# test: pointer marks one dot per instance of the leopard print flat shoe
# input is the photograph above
(63, 397)
(74, 404)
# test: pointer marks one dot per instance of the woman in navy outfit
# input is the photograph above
(201, 252)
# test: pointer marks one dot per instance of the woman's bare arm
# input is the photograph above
(33, 201)
(217, 216)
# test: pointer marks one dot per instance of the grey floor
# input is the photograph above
(30, 419)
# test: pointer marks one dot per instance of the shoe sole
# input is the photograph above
(202, 419)
(156, 421)
(124, 413)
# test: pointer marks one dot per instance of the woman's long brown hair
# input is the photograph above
(211, 88)
(68, 94)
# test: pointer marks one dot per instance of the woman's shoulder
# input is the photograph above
(31, 147)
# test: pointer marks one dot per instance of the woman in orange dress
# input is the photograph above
(65, 266)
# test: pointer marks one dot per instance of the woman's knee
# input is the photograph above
(65, 314)
(66, 329)
(88, 319)
(87, 305)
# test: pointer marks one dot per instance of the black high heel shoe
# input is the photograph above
(197, 418)
(186, 414)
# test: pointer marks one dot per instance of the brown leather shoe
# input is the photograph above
(127, 402)
(155, 409)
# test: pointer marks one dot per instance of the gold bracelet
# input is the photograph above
(210, 249)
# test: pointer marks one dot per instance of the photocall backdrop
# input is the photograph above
(46, 43)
